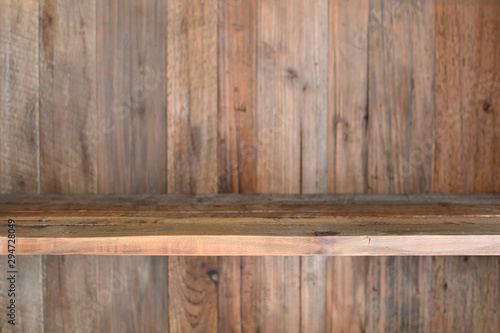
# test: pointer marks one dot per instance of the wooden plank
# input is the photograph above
(245, 229)
(348, 96)
(237, 100)
(132, 102)
(19, 131)
(279, 97)
(192, 150)
(131, 96)
(467, 157)
(401, 71)
(19, 153)
(277, 294)
(68, 152)
(192, 97)
(346, 297)
(68, 97)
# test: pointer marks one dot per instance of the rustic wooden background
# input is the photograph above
(251, 96)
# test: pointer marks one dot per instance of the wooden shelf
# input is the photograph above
(430, 224)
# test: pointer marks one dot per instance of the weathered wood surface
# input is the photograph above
(387, 61)
(213, 227)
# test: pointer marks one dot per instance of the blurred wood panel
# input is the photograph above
(132, 139)
(19, 149)
(192, 150)
(467, 156)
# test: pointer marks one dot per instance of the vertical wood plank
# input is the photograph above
(71, 294)
(237, 85)
(279, 97)
(132, 104)
(400, 137)
(192, 150)
(346, 300)
(19, 148)
(311, 56)
(467, 157)
(19, 114)
(348, 96)
(68, 97)
(192, 96)
(347, 153)
(277, 294)
(132, 137)
(237, 149)
(401, 97)
(69, 156)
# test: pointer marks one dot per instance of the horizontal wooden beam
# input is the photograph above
(430, 224)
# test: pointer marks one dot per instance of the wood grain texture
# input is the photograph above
(132, 137)
(193, 294)
(467, 157)
(68, 112)
(348, 96)
(68, 115)
(237, 96)
(132, 103)
(277, 294)
(133, 294)
(464, 294)
(192, 150)
(401, 96)
(346, 294)
(192, 96)
(71, 286)
(19, 128)
(19, 148)
(279, 97)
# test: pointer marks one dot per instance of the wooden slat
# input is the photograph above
(132, 135)
(69, 151)
(348, 96)
(19, 148)
(192, 150)
(131, 95)
(237, 86)
(68, 128)
(401, 96)
(192, 96)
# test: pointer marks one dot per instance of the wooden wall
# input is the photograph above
(251, 96)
